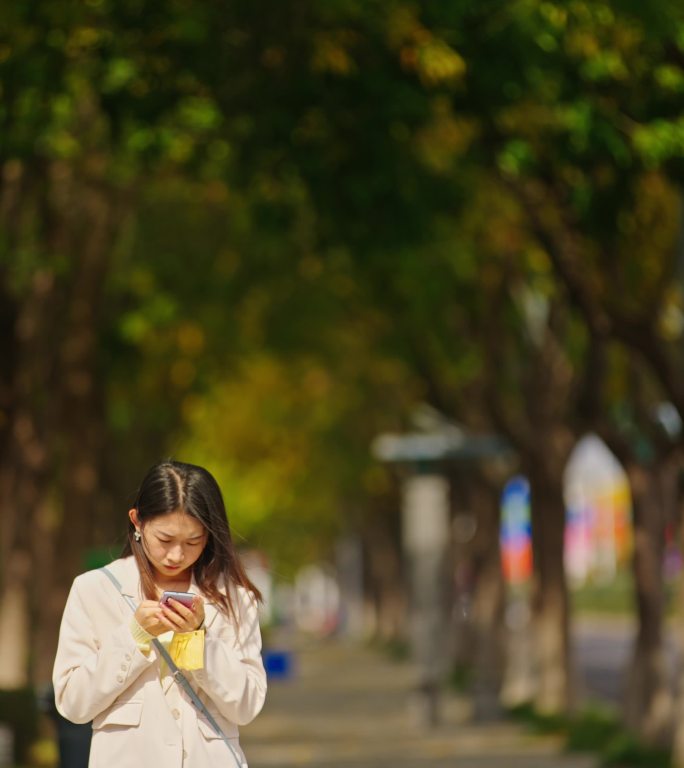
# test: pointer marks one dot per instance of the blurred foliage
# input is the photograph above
(331, 211)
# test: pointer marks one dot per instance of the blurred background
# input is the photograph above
(407, 278)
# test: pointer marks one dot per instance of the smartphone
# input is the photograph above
(183, 597)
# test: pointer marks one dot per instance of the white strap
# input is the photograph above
(178, 676)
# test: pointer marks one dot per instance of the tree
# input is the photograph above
(582, 127)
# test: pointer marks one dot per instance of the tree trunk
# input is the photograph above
(487, 605)
(14, 623)
(648, 706)
(550, 601)
(48, 469)
(678, 719)
(550, 386)
(387, 611)
(25, 469)
(81, 420)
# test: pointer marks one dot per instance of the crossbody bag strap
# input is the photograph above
(178, 676)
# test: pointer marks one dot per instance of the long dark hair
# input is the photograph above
(170, 486)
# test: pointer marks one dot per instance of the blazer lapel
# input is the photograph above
(210, 613)
(126, 570)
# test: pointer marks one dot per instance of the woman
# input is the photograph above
(107, 668)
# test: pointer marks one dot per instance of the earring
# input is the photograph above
(137, 535)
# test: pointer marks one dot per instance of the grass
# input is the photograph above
(596, 730)
(460, 678)
(395, 649)
(616, 597)
(613, 598)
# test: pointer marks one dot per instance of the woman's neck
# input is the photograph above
(179, 583)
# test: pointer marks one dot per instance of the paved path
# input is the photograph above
(349, 707)
(602, 653)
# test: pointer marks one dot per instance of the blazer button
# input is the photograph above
(176, 714)
(123, 667)
(119, 678)
(127, 657)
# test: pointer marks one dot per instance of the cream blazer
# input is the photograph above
(141, 717)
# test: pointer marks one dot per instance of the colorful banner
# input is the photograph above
(516, 531)
(598, 531)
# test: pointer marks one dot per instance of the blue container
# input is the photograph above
(278, 664)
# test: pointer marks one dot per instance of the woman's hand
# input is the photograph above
(180, 618)
(150, 617)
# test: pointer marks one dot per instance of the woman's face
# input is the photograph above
(173, 542)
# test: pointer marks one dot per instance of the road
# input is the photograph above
(346, 706)
(602, 650)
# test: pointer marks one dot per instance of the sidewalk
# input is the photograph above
(348, 707)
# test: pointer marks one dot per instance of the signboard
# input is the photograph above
(516, 531)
